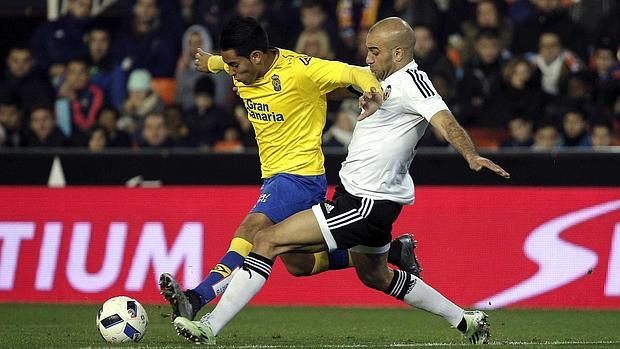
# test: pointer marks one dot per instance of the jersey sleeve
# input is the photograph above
(422, 98)
(330, 75)
(216, 64)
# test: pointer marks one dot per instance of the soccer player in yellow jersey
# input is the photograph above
(285, 96)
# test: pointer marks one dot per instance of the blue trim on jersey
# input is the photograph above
(285, 194)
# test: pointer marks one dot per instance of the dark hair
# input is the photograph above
(79, 60)
(108, 107)
(42, 105)
(313, 3)
(244, 35)
(487, 33)
(204, 85)
(604, 122)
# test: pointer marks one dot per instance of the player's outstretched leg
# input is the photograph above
(477, 331)
(402, 254)
(179, 300)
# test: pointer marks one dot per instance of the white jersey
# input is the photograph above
(384, 144)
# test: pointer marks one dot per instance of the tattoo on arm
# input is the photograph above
(459, 139)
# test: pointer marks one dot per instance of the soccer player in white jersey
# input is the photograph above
(375, 185)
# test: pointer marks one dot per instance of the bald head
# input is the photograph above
(394, 32)
(390, 46)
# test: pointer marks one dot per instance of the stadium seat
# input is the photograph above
(165, 88)
(488, 138)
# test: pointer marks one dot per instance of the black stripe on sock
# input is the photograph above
(396, 284)
(401, 284)
(263, 259)
(410, 281)
(258, 264)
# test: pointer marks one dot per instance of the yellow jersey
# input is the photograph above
(287, 108)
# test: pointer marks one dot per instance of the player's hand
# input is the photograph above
(478, 162)
(202, 60)
(369, 102)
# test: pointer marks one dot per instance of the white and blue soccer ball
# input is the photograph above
(122, 319)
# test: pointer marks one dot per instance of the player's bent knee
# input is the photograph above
(264, 244)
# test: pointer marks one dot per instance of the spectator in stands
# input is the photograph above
(186, 74)
(607, 70)
(314, 18)
(340, 133)
(205, 120)
(520, 132)
(547, 136)
(43, 130)
(602, 134)
(79, 102)
(63, 39)
(356, 17)
(10, 121)
(140, 101)
(103, 68)
(427, 54)
(2, 136)
(258, 9)
(520, 91)
(575, 129)
(213, 14)
(98, 138)
(177, 129)
(230, 143)
(245, 126)
(554, 62)
(550, 17)
(20, 79)
(487, 16)
(482, 78)
(314, 44)
(144, 43)
(155, 132)
(576, 91)
(108, 118)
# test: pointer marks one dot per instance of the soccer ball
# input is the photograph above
(122, 319)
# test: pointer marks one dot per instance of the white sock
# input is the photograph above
(422, 296)
(242, 288)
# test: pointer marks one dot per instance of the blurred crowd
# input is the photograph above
(541, 74)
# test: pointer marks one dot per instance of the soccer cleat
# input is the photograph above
(198, 332)
(171, 290)
(402, 254)
(477, 331)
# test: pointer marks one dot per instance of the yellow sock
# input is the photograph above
(241, 246)
(321, 262)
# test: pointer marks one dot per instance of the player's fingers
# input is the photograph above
(363, 115)
(200, 51)
(497, 169)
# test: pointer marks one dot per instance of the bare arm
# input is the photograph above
(445, 122)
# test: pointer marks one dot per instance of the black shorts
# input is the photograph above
(362, 224)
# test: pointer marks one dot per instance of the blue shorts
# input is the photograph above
(283, 195)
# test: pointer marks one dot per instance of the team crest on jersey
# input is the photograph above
(275, 81)
(222, 270)
(387, 92)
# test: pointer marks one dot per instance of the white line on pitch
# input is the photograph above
(412, 345)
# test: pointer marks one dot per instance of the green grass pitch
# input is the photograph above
(73, 326)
